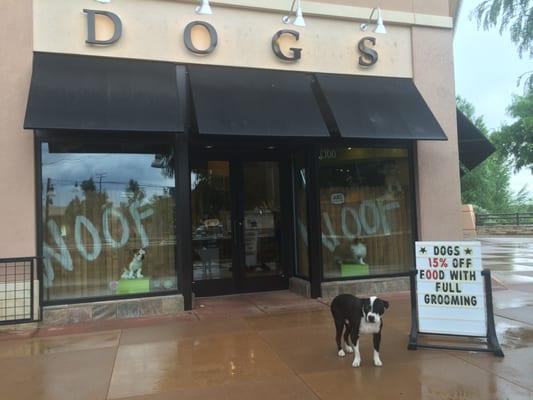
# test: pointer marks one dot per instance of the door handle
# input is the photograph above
(237, 233)
(236, 225)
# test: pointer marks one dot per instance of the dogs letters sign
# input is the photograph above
(368, 56)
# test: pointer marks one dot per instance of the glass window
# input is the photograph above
(300, 208)
(365, 202)
(108, 220)
(262, 218)
(211, 220)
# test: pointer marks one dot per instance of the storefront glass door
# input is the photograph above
(236, 226)
(212, 222)
(262, 214)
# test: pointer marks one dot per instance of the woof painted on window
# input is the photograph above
(365, 202)
(108, 220)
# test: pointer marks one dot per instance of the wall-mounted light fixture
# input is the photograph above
(104, 1)
(204, 8)
(298, 18)
(380, 27)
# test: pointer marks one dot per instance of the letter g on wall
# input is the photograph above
(297, 52)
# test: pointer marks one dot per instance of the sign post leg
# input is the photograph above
(413, 336)
(492, 339)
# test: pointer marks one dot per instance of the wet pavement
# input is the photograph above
(275, 345)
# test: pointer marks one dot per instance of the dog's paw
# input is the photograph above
(341, 353)
(377, 360)
(349, 349)
(356, 363)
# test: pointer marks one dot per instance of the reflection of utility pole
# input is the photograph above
(100, 176)
(48, 201)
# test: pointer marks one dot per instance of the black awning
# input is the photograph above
(97, 93)
(474, 147)
(253, 102)
(378, 108)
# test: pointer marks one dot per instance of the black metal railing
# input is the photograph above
(504, 219)
(17, 290)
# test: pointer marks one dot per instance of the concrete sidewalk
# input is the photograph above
(274, 345)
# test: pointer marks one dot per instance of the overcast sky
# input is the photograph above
(487, 67)
(67, 169)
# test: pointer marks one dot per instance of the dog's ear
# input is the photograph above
(385, 304)
(365, 303)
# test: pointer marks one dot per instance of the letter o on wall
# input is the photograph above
(124, 225)
(213, 37)
(82, 247)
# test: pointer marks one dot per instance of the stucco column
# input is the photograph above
(17, 194)
(437, 171)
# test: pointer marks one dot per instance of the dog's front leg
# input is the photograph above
(377, 341)
(357, 356)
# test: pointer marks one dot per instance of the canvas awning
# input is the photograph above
(474, 147)
(368, 107)
(71, 92)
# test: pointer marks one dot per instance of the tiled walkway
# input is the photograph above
(265, 346)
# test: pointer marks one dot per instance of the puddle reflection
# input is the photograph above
(513, 336)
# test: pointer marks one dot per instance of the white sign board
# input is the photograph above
(450, 288)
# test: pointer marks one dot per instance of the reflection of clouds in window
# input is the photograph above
(110, 172)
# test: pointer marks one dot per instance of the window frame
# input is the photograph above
(295, 228)
(83, 137)
(410, 146)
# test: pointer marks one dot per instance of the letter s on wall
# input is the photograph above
(368, 55)
(297, 52)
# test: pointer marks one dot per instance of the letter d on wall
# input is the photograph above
(91, 27)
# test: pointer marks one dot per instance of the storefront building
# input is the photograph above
(169, 154)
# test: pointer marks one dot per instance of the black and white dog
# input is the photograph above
(358, 317)
(134, 270)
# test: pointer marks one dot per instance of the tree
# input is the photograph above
(515, 16)
(88, 185)
(134, 191)
(468, 110)
(516, 140)
(488, 185)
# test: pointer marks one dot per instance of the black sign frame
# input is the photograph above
(492, 344)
